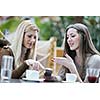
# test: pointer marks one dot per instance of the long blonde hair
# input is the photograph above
(16, 45)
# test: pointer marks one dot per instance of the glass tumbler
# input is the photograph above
(6, 67)
(93, 75)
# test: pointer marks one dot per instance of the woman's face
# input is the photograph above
(73, 39)
(29, 39)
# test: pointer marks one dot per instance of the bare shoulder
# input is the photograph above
(95, 57)
(94, 61)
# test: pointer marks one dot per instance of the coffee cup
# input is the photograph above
(48, 72)
(32, 74)
(71, 77)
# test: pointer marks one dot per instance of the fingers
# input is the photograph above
(53, 59)
(66, 55)
(58, 60)
(32, 64)
(27, 62)
(36, 67)
(41, 66)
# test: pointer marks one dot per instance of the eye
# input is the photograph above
(67, 37)
(29, 36)
(34, 37)
(73, 35)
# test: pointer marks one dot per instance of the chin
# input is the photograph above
(28, 47)
(72, 48)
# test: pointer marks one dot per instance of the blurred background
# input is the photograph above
(53, 26)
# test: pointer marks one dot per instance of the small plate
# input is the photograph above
(69, 82)
(33, 80)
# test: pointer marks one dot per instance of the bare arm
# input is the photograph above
(68, 63)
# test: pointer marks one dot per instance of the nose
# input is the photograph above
(69, 39)
(33, 39)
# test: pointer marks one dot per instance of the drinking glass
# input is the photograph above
(6, 67)
(93, 75)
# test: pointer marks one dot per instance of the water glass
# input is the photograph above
(6, 67)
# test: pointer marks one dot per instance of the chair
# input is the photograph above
(4, 40)
(46, 50)
(59, 53)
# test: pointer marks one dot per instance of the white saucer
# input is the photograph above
(34, 80)
(69, 82)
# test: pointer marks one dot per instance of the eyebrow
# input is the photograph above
(70, 34)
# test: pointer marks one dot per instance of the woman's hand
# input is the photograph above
(68, 62)
(34, 65)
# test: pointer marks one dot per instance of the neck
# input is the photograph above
(24, 50)
(78, 53)
(78, 57)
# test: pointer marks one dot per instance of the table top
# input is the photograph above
(24, 80)
(19, 81)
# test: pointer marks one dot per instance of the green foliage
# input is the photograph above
(10, 24)
(93, 23)
(57, 28)
(56, 25)
(46, 30)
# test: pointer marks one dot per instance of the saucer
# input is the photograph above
(33, 80)
(69, 82)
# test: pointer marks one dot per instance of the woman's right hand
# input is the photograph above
(68, 62)
(34, 65)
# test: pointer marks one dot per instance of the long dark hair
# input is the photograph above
(86, 44)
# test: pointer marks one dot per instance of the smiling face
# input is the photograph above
(73, 39)
(29, 39)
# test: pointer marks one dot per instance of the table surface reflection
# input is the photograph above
(26, 81)
(18, 81)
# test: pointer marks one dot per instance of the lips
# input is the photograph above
(29, 45)
(71, 44)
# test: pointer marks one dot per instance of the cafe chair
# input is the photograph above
(5, 39)
(46, 50)
(59, 53)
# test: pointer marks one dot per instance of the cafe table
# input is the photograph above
(27, 81)
(20, 81)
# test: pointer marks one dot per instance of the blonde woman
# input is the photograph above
(79, 53)
(23, 48)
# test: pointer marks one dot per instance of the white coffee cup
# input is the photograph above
(71, 77)
(32, 74)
